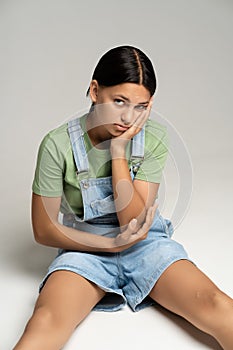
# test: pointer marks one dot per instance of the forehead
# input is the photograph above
(133, 92)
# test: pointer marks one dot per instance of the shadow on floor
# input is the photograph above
(188, 328)
(23, 254)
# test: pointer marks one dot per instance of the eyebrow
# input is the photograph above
(126, 99)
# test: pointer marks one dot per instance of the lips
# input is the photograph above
(121, 127)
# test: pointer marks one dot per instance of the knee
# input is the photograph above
(42, 319)
(213, 306)
(212, 300)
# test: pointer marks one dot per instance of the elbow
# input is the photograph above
(38, 238)
(40, 235)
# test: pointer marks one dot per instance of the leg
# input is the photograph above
(63, 303)
(186, 291)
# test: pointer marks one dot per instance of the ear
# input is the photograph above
(94, 88)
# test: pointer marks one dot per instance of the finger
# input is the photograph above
(147, 224)
(132, 225)
(142, 231)
(142, 118)
(138, 124)
(150, 215)
(131, 229)
(154, 208)
(140, 121)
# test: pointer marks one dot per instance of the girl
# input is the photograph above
(102, 172)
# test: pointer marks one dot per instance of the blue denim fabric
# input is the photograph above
(129, 276)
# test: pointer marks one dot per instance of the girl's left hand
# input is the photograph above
(133, 234)
(119, 143)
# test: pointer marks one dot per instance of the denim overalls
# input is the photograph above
(128, 276)
(97, 193)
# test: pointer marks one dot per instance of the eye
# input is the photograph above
(119, 102)
(140, 107)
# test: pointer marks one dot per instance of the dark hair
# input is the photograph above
(125, 64)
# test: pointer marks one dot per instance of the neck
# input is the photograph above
(97, 134)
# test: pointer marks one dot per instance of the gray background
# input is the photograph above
(48, 53)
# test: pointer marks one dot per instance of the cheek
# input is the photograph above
(107, 112)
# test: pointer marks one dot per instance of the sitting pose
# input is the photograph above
(102, 172)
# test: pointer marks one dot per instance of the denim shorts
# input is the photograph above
(128, 276)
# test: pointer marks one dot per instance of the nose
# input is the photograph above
(127, 116)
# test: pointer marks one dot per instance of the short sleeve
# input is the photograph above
(155, 155)
(48, 178)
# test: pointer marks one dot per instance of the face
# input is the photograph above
(117, 107)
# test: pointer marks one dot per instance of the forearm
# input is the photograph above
(60, 236)
(129, 204)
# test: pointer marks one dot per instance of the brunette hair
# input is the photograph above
(125, 64)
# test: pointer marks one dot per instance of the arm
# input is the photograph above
(48, 184)
(132, 198)
(48, 231)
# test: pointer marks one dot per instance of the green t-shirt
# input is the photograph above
(55, 173)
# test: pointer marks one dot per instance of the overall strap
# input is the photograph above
(79, 150)
(78, 146)
(138, 145)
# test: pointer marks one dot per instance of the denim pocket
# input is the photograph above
(103, 206)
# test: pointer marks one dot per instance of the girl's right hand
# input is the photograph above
(134, 234)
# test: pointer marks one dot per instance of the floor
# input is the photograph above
(48, 51)
(206, 234)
